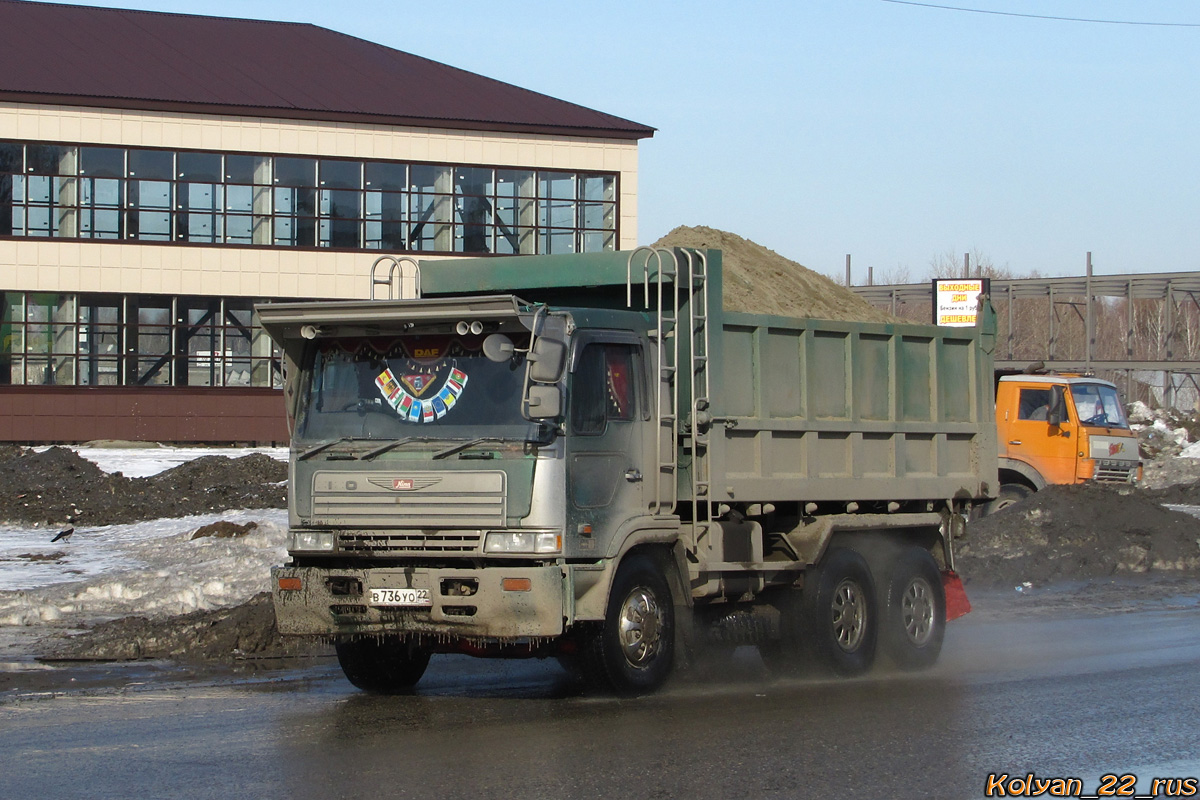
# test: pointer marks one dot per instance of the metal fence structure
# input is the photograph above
(1140, 330)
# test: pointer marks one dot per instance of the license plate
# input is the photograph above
(401, 597)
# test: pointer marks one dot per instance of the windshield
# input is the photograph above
(1096, 404)
(425, 387)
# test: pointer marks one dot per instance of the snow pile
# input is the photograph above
(1163, 432)
(150, 569)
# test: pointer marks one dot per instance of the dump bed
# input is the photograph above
(802, 409)
(818, 410)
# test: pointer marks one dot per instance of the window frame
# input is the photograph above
(534, 216)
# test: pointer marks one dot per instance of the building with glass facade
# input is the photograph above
(200, 165)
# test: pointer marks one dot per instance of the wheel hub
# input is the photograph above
(640, 630)
(849, 615)
(916, 610)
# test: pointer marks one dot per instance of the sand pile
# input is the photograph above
(760, 280)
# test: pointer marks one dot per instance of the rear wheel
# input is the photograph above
(386, 665)
(831, 625)
(633, 651)
(839, 613)
(915, 617)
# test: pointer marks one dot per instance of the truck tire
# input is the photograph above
(839, 614)
(633, 651)
(382, 666)
(914, 620)
(1009, 494)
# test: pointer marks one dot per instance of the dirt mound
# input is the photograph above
(762, 281)
(59, 487)
(1183, 494)
(245, 631)
(1076, 533)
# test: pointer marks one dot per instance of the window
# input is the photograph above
(1035, 404)
(199, 198)
(48, 191)
(430, 209)
(384, 201)
(149, 338)
(12, 177)
(1096, 404)
(516, 211)
(604, 388)
(556, 212)
(115, 340)
(474, 196)
(150, 188)
(49, 339)
(99, 341)
(141, 194)
(248, 200)
(295, 202)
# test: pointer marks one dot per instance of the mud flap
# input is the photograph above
(957, 603)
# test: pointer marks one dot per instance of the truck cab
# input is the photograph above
(1061, 429)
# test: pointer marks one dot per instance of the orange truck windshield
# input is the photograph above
(1096, 404)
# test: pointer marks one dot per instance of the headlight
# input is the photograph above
(522, 542)
(319, 541)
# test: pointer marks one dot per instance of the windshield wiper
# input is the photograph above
(325, 445)
(378, 451)
(458, 447)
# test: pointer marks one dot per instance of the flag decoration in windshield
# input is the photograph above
(407, 393)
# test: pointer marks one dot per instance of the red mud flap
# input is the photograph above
(957, 603)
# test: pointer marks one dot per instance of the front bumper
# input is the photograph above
(336, 602)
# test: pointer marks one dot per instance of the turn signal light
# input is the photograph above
(290, 584)
(516, 585)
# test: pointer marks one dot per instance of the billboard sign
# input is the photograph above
(956, 300)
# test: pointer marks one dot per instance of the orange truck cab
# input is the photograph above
(1061, 429)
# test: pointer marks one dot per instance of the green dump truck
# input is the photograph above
(585, 457)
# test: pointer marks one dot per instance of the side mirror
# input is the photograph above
(498, 348)
(1057, 412)
(544, 402)
(547, 360)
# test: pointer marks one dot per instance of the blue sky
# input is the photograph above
(891, 132)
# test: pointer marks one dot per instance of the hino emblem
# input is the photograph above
(404, 484)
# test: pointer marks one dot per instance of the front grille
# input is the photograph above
(1115, 473)
(412, 500)
(409, 542)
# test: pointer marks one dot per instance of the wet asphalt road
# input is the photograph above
(1068, 694)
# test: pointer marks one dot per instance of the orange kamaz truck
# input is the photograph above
(1060, 428)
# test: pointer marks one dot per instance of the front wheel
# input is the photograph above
(915, 620)
(386, 665)
(1010, 494)
(632, 653)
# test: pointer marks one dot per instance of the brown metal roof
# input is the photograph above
(107, 57)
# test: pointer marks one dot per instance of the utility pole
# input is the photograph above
(1089, 322)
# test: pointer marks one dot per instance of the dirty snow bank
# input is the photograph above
(152, 569)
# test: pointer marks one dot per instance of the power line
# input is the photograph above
(1043, 16)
